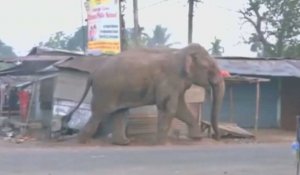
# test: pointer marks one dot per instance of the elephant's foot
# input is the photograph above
(216, 137)
(195, 132)
(161, 139)
(120, 141)
(83, 138)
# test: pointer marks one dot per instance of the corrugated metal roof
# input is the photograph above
(256, 58)
(265, 67)
(235, 65)
(51, 51)
(42, 58)
(33, 64)
(26, 68)
(84, 63)
(16, 81)
(236, 79)
(37, 61)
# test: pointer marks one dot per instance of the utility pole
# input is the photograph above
(190, 21)
(136, 23)
(122, 26)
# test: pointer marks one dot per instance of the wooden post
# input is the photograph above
(231, 104)
(32, 100)
(257, 107)
(298, 141)
(124, 44)
(190, 21)
(2, 93)
(136, 23)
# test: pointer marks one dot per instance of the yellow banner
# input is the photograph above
(104, 26)
(109, 47)
(98, 2)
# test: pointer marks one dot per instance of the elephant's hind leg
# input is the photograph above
(89, 130)
(119, 127)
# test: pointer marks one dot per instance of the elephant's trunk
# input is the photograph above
(218, 90)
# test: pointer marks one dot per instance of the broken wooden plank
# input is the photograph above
(228, 130)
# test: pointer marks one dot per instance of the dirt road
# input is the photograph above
(231, 159)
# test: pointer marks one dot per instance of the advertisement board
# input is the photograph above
(104, 26)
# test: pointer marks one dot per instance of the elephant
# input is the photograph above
(145, 76)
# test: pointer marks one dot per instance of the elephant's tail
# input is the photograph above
(68, 116)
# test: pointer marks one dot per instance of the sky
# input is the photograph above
(25, 23)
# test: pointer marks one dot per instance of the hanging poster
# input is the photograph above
(104, 26)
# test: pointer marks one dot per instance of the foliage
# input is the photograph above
(60, 40)
(6, 51)
(129, 39)
(216, 48)
(159, 38)
(78, 42)
(276, 24)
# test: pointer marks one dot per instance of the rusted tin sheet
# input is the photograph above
(260, 66)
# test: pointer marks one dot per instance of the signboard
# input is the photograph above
(104, 26)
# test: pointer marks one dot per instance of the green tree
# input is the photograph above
(75, 42)
(216, 48)
(6, 51)
(276, 24)
(160, 37)
(59, 40)
(129, 39)
(78, 42)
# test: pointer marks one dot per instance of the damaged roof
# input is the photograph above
(33, 64)
(82, 63)
(39, 60)
(50, 51)
(260, 66)
(235, 65)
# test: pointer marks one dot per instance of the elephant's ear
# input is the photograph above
(194, 54)
(189, 64)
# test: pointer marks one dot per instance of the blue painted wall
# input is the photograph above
(244, 103)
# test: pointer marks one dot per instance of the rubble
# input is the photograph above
(14, 131)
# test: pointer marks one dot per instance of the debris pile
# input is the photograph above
(13, 131)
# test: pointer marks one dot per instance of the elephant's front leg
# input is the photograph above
(163, 126)
(185, 115)
(119, 127)
(166, 111)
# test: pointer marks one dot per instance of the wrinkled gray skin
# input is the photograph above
(151, 77)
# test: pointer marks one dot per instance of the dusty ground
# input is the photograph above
(269, 153)
(228, 159)
(263, 136)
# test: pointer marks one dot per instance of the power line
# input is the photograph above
(154, 4)
(178, 1)
(227, 9)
